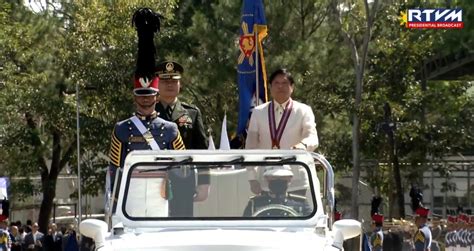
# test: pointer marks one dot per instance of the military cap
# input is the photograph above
(278, 171)
(169, 70)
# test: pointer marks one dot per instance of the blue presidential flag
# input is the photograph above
(253, 29)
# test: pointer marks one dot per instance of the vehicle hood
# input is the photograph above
(210, 240)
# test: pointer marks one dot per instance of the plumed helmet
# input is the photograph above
(378, 218)
(146, 23)
(375, 204)
(416, 198)
(422, 212)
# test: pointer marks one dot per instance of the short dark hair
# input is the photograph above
(282, 71)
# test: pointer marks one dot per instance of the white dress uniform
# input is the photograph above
(300, 128)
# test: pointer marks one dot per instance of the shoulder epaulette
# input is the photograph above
(189, 105)
(115, 150)
(419, 236)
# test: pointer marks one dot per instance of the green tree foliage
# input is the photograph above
(430, 123)
(46, 54)
(92, 45)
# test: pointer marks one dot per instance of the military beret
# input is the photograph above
(169, 70)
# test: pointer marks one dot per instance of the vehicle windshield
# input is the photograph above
(178, 191)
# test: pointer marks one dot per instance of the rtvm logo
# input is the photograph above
(432, 18)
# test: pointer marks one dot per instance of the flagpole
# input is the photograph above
(79, 193)
(257, 98)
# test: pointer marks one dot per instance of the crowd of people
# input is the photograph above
(451, 234)
(423, 233)
(17, 237)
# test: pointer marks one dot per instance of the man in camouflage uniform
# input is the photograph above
(277, 202)
(188, 118)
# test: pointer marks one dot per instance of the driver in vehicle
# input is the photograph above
(277, 202)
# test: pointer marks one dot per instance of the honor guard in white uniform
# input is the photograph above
(376, 239)
(449, 238)
(422, 238)
(463, 233)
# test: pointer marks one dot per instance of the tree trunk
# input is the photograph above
(397, 178)
(48, 183)
(355, 166)
(359, 70)
(49, 193)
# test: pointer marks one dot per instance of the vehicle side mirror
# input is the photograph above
(95, 229)
(348, 227)
(344, 230)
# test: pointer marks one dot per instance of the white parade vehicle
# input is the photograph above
(141, 219)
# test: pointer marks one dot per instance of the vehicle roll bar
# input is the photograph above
(328, 185)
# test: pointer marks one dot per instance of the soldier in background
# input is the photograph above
(435, 234)
(450, 237)
(471, 229)
(188, 118)
(376, 239)
(377, 236)
(463, 233)
(422, 239)
(5, 240)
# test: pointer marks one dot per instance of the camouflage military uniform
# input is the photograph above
(188, 118)
(295, 202)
